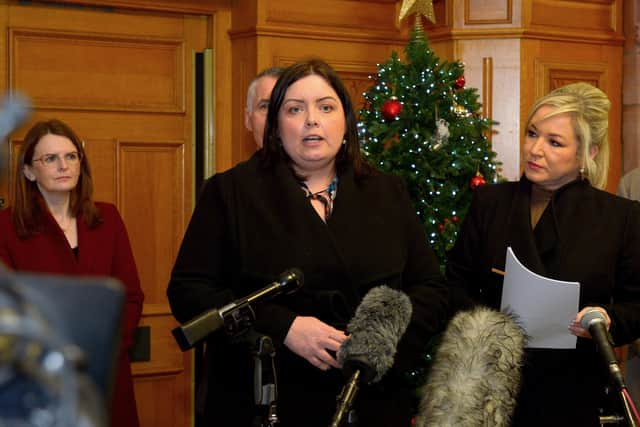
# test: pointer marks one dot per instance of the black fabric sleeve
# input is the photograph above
(206, 272)
(198, 276)
(463, 260)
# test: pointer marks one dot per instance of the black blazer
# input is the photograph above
(250, 224)
(584, 235)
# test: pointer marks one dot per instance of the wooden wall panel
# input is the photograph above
(15, 146)
(162, 342)
(580, 20)
(328, 20)
(245, 68)
(336, 14)
(173, 6)
(488, 12)
(593, 16)
(161, 166)
(102, 155)
(164, 381)
(551, 75)
(94, 72)
(162, 408)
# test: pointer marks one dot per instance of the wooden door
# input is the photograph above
(123, 81)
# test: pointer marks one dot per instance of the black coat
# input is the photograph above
(249, 225)
(584, 235)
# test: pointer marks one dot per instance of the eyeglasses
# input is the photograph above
(51, 160)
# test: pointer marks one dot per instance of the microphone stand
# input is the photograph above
(627, 408)
(345, 399)
(265, 380)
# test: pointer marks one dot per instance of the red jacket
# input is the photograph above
(102, 251)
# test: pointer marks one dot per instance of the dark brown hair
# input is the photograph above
(349, 154)
(28, 204)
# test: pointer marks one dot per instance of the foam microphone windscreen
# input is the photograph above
(475, 376)
(378, 324)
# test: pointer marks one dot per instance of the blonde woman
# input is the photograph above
(560, 224)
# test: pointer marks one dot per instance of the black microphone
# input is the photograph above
(378, 324)
(595, 322)
(475, 377)
(237, 316)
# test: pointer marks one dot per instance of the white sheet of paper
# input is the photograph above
(545, 306)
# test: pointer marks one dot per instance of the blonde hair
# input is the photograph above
(588, 107)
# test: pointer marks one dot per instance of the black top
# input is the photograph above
(584, 235)
(249, 225)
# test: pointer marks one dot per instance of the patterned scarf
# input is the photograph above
(326, 196)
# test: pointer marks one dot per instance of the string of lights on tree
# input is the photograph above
(421, 122)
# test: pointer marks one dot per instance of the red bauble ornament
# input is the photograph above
(477, 181)
(440, 228)
(454, 219)
(460, 82)
(391, 108)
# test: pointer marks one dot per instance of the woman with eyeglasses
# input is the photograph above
(54, 226)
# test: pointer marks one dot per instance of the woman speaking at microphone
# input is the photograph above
(560, 224)
(307, 200)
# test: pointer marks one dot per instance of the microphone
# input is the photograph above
(237, 316)
(595, 322)
(14, 110)
(378, 324)
(475, 376)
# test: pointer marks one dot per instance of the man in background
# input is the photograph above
(258, 96)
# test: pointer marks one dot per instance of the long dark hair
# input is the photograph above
(349, 154)
(28, 203)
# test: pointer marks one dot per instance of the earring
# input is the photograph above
(581, 173)
(344, 141)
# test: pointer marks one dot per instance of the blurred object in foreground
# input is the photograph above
(57, 357)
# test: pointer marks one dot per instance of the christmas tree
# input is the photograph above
(420, 122)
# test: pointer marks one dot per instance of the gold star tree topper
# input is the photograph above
(419, 7)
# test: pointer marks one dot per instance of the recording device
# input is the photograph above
(595, 322)
(58, 357)
(238, 316)
(475, 376)
(378, 324)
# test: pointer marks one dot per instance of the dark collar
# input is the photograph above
(540, 249)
